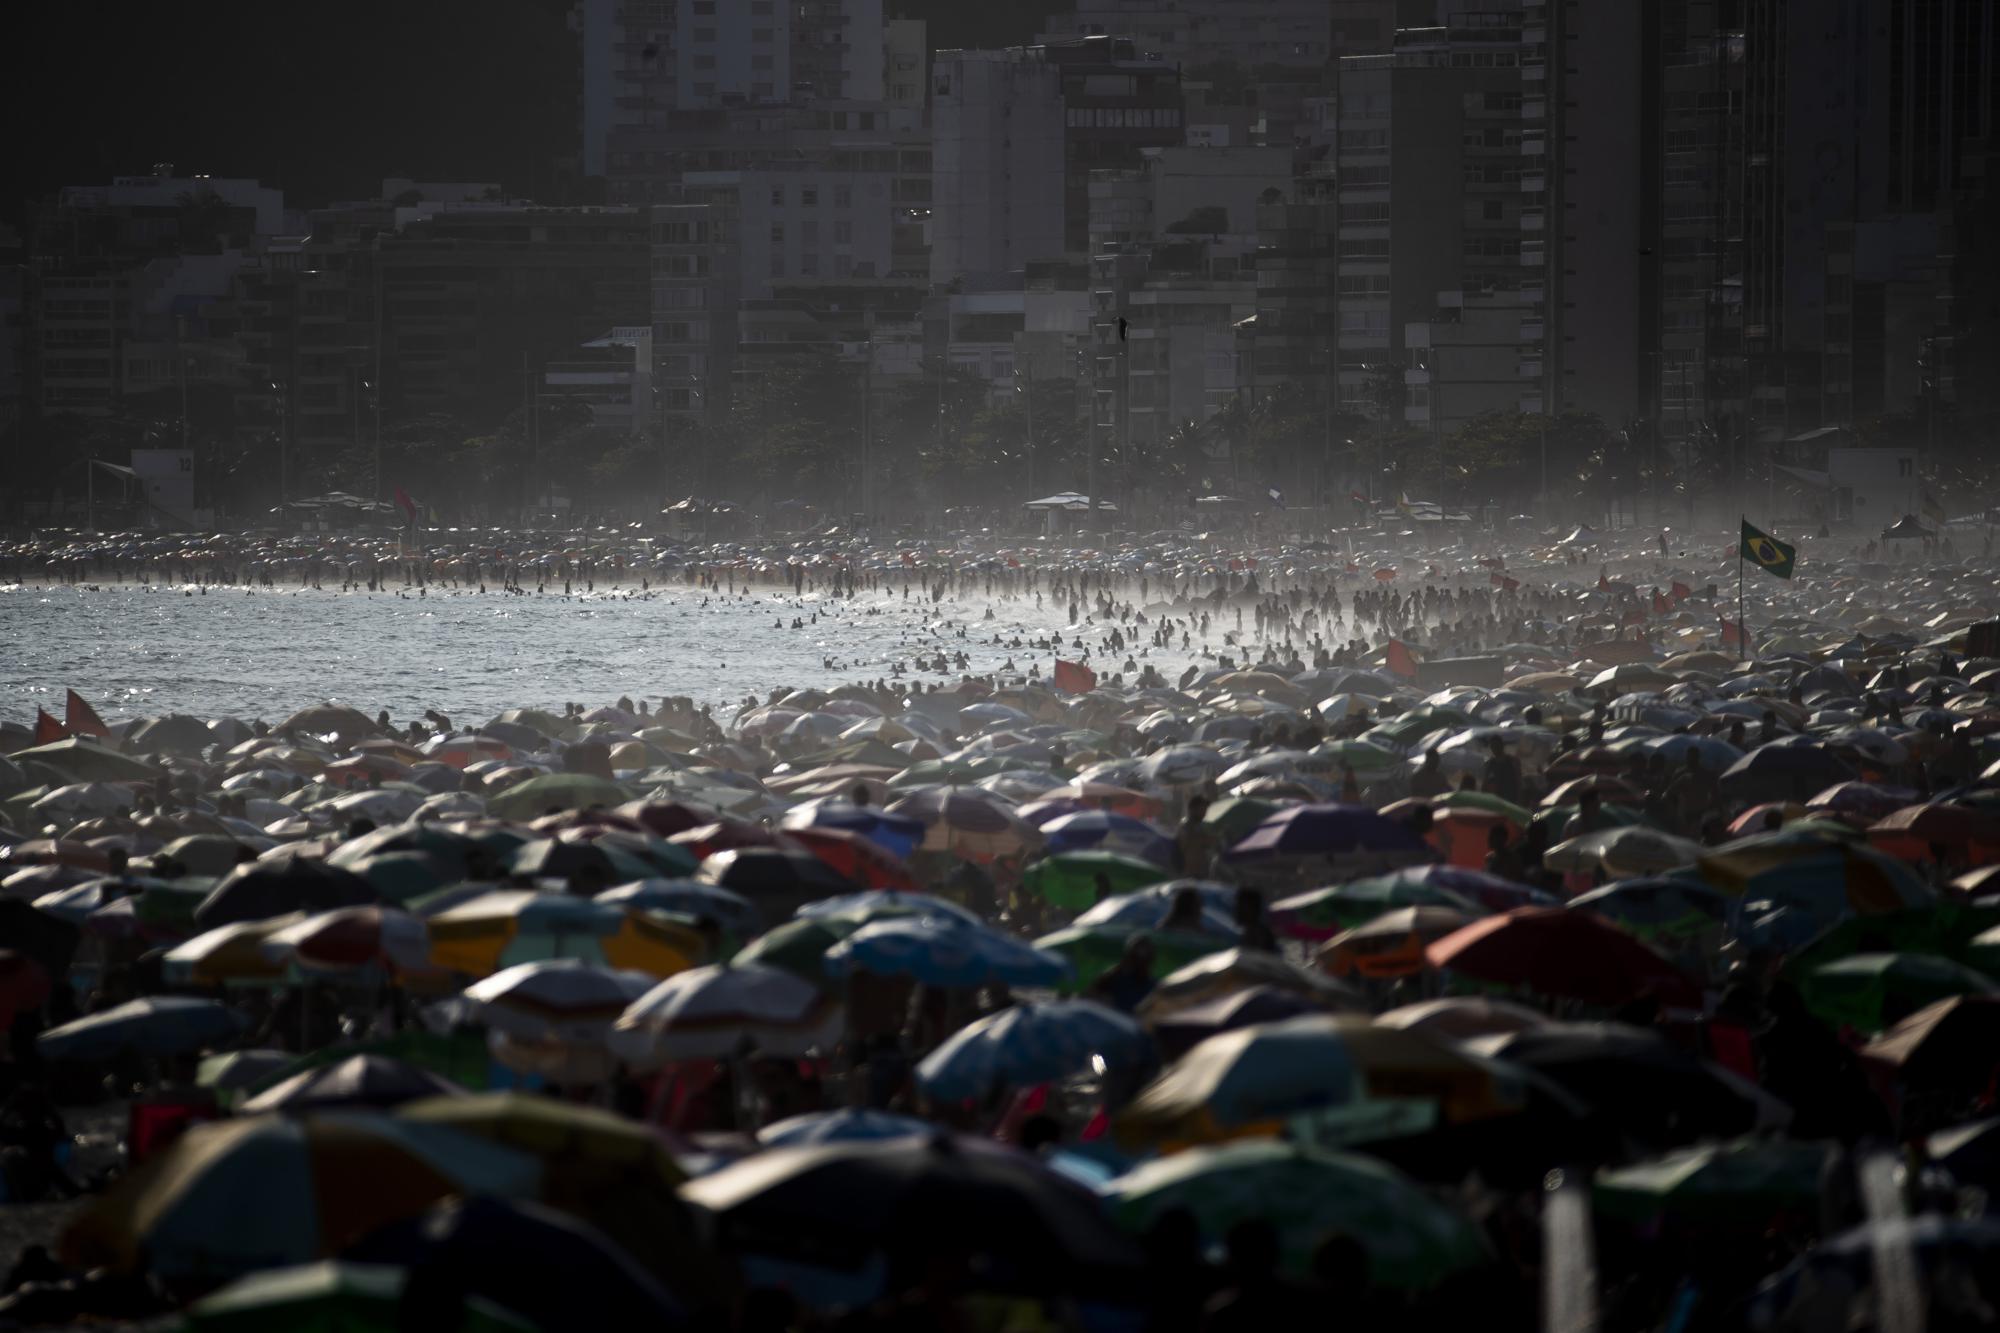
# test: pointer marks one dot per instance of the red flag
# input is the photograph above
(1494, 562)
(1732, 635)
(1385, 575)
(1074, 677)
(1511, 584)
(1012, 563)
(1635, 618)
(1603, 584)
(82, 719)
(1235, 566)
(1660, 604)
(408, 505)
(1353, 568)
(909, 559)
(1497, 580)
(47, 729)
(1400, 661)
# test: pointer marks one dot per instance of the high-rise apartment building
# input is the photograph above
(1443, 197)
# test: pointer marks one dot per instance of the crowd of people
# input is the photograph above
(1302, 946)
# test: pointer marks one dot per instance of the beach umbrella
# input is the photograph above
(1321, 914)
(555, 791)
(1106, 795)
(24, 984)
(262, 889)
(1737, 1184)
(1092, 950)
(238, 1196)
(944, 952)
(899, 834)
(1950, 1046)
(1349, 838)
(1076, 880)
(1872, 991)
(555, 1000)
(1830, 877)
(160, 1025)
(1970, 1152)
(46, 937)
(1104, 831)
(1179, 1031)
(83, 760)
(847, 1125)
(1637, 1081)
(1390, 946)
(968, 824)
(855, 858)
(1623, 851)
(832, 1208)
(1412, 1241)
(1232, 817)
(613, 1173)
(1456, 1017)
(712, 1013)
(1951, 1260)
(1029, 1044)
(869, 905)
(727, 835)
(1779, 772)
(358, 1081)
(1556, 952)
(227, 955)
(775, 874)
(1251, 1082)
(347, 1296)
(352, 937)
(799, 946)
(1181, 766)
(547, 1266)
(1911, 833)
(1147, 907)
(501, 928)
(1229, 970)
(1664, 909)
(686, 897)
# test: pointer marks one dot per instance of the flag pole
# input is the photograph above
(1742, 624)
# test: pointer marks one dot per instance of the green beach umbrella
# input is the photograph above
(1413, 1241)
(1092, 950)
(1871, 991)
(1233, 817)
(1717, 1182)
(332, 1297)
(1069, 879)
(558, 791)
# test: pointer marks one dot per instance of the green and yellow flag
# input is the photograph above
(1767, 552)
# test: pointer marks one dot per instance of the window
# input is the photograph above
(760, 62)
(777, 196)
(1491, 210)
(777, 233)
(809, 232)
(843, 196)
(808, 197)
(703, 60)
(843, 232)
(809, 265)
(760, 9)
(761, 36)
(704, 8)
(704, 34)
(843, 266)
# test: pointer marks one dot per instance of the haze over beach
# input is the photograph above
(1197, 666)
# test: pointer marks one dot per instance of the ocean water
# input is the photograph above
(146, 650)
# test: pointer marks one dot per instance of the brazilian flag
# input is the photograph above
(1767, 552)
